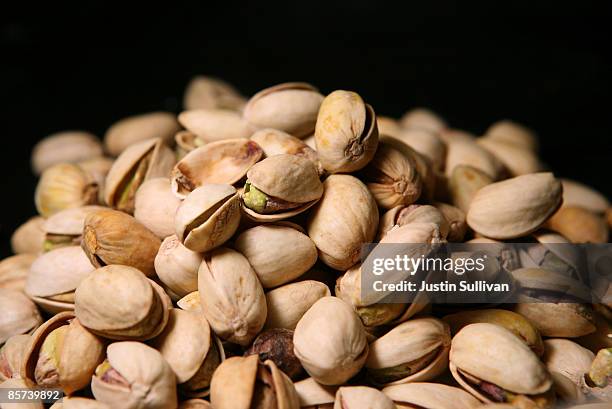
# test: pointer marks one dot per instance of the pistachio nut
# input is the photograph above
(576, 194)
(64, 147)
(291, 107)
(513, 322)
(65, 228)
(119, 302)
(243, 383)
(29, 237)
(177, 266)
(278, 254)
(517, 160)
(567, 358)
(133, 376)
(513, 133)
(503, 373)
(430, 396)
(457, 225)
(415, 350)
(514, 207)
(288, 303)
(113, 237)
(346, 134)
(186, 141)
(17, 383)
(64, 186)
(276, 344)
(190, 302)
(387, 125)
(426, 142)
(204, 92)
(194, 404)
(566, 390)
(225, 162)
(155, 206)
(404, 215)
(11, 356)
(77, 402)
(62, 354)
(598, 382)
(19, 314)
(362, 397)
(191, 349)
(14, 271)
(464, 182)
(213, 125)
(579, 225)
(208, 217)
(232, 298)
(466, 152)
(98, 169)
(137, 128)
(422, 118)
(330, 341)
(55, 275)
(451, 135)
(138, 163)
(345, 218)
(313, 395)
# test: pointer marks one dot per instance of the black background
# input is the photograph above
(83, 66)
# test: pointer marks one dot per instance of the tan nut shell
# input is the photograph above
(113, 237)
(119, 302)
(14, 271)
(426, 142)
(195, 404)
(190, 302)
(134, 129)
(362, 397)
(204, 92)
(288, 303)
(464, 182)
(177, 266)
(569, 319)
(75, 402)
(29, 237)
(69, 222)
(514, 207)
(330, 341)
(579, 225)
(494, 354)
(224, 162)
(430, 396)
(232, 298)
(19, 314)
(64, 186)
(213, 125)
(152, 382)
(345, 218)
(517, 160)
(388, 125)
(312, 393)
(155, 206)
(466, 152)
(208, 217)
(11, 356)
(567, 358)
(422, 118)
(457, 226)
(290, 107)
(275, 142)
(64, 147)
(403, 215)
(512, 133)
(346, 134)
(581, 195)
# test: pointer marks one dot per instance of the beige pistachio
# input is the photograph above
(177, 266)
(513, 133)
(186, 141)
(387, 125)
(134, 376)
(137, 128)
(243, 383)
(457, 225)
(155, 206)
(514, 207)
(579, 225)
(64, 186)
(194, 404)
(17, 383)
(232, 298)
(288, 303)
(19, 314)
(191, 349)
(65, 228)
(517, 160)
(568, 358)
(98, 168)
(290, 107)
(119, 302)
(467, 152)
(426, 142)
(138, 163)
(77, 402)
(576, 194)
(330, 341)
(29, 237)
(205, 92)
(566, 390)
(11, 356)
(281, 186)
(62, 354)
(404, 215)
(464, 182)
(276, 344)
(430, 396)
(64, 147)
(422, 118)
(190, 302)
(211, 125)
(113, 237)
(345, 218)
(14, 271)
(311, 141)
(313, 395)
(362, 397)
(208, 217)
(346, 134)
(225, 162)
(278, 254)
(451, 135)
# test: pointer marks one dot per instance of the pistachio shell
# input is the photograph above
(64, 147)
(581, 195)
(208, 217)
(513, 133)
(75, 402)
(186, 141)
(213, 125)
(232, 298)
(177, 266)
(388, 126)
(457, 226)
(313, 394)
(514, 207)
(345, 218)
(430, 396)
(517, 160)
(330, 341)
(362, 397)
(204, 92)
(190, 302)
(290, 107)
(11, 356)
(404, 215)
(155, 206)
(98, 168)
(346, 134)
(195, 404)
(464, 182)
(422, 118)
(560, 319)
(579, 225)
(147, 380)
(567, 358)
(29, 237)
(288, 303)
(465, 152)
(224, 162)
(426, 142)
(19, 314)
(14, 271)
(137, 128)
(17, 383)
(69, 222)
(565, 389)
(276, 344)
(113, 237)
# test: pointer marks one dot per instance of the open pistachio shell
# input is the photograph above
(190, 302)
(19, 314)
(288, 303)
(581, 195)
(29, 237)
(512, 133)
(186, 141)
(65, 228)
(567, 358)
(213, 125)
(579, 225)
(134, 376)
(422, 118)
(62, 354)
(566, 390)
(362, 397)
(119, 302)
(155, 206)
(457, 225)
(113, 237)
(313, 395)
(426, 142)
(224, 162)
(17, 383)
(11, 356)
(140, 162)
(276, 344)
(208, 217)
(137, 128)
(404, 215)
(14, 271)
(64, 147)
(232, 298)
(290, 107)
(430, 396)
(177, 266)
(204, 92)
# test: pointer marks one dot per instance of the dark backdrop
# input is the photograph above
(547, 65)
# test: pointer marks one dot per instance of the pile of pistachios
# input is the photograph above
(212, 260)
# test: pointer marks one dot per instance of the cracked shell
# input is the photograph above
(155, 206)
(177, 266)
(362, 397)
(430, 396)
(19, 314)
(65, 228)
